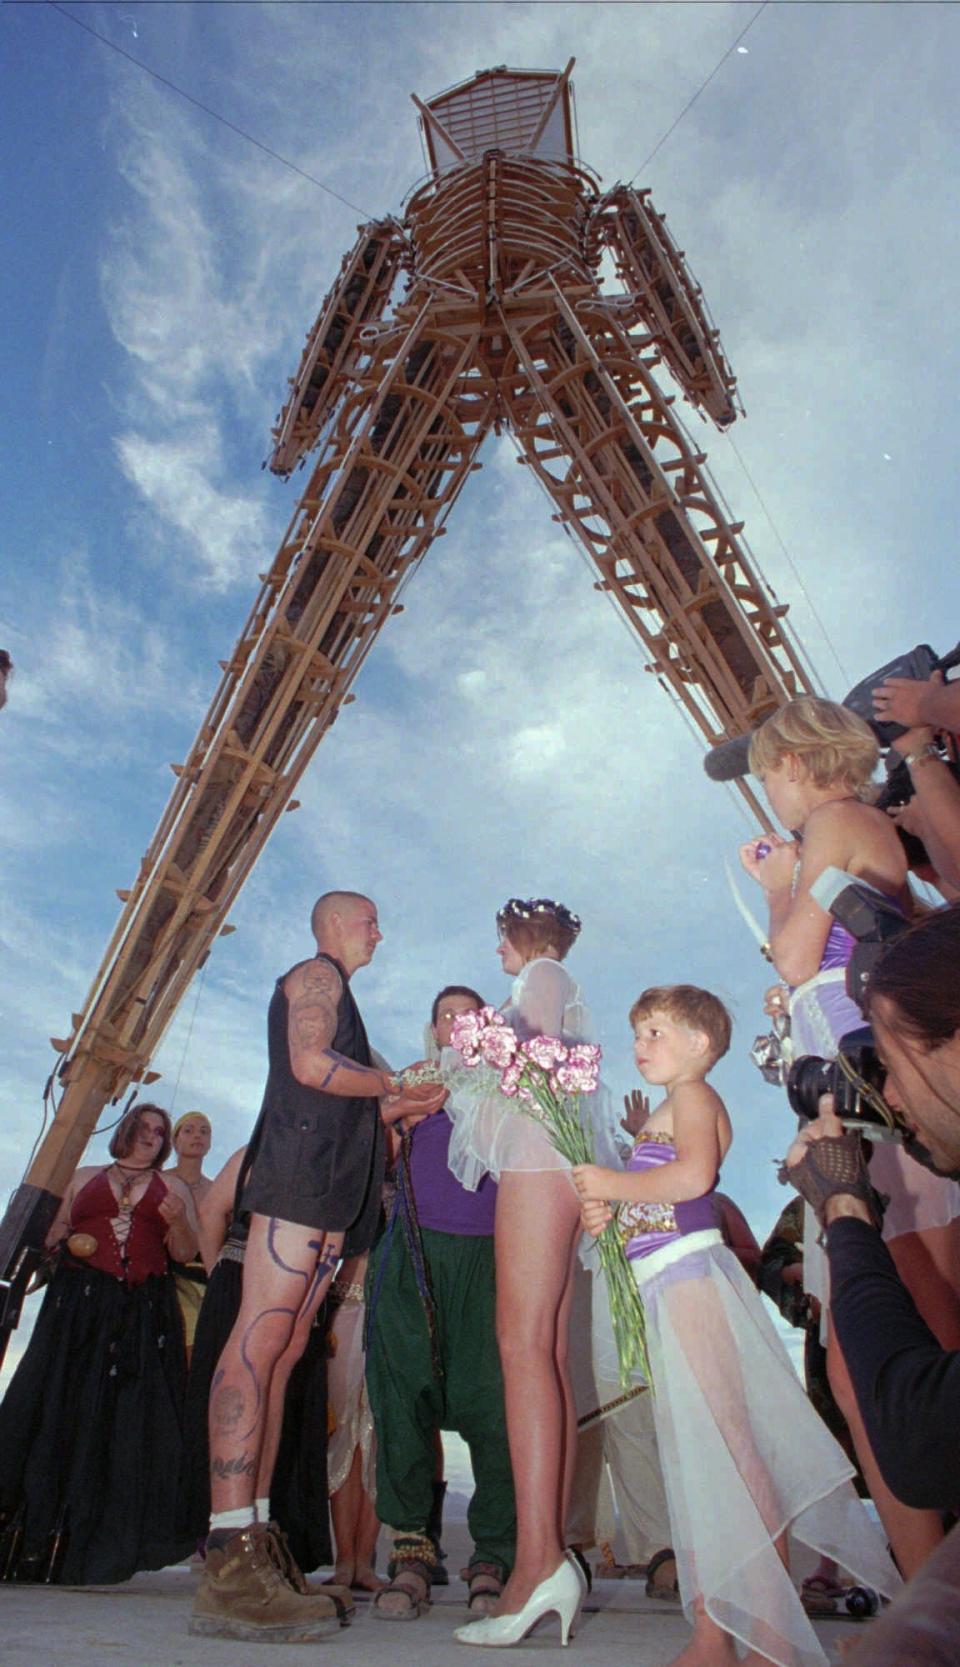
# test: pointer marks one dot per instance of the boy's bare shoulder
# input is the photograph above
(697, 1098)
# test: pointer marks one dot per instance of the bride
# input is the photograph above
(536, 1233)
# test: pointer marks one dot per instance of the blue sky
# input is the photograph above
(160, 274)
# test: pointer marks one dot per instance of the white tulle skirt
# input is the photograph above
(745, 1458)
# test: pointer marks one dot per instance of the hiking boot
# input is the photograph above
(292, 1573)
(244, 1595)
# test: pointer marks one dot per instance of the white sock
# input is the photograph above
(262, 1508)
(241, 1517)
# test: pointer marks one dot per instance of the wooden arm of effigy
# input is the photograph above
(662, 294)
(338, 340)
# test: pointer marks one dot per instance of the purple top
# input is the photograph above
(646, 1227)
(838, 948)
(442, 1203)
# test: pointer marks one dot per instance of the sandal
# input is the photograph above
(412, 1583)
(820, 1595)
(484, 1585)
(667, 1591)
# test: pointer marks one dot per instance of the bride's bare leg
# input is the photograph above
(536, 1226)
(569, 1444)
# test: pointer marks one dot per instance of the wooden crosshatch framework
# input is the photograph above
(480, 307)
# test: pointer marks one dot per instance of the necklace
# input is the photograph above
(127, 1185)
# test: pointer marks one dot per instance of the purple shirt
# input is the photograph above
(442, 1203)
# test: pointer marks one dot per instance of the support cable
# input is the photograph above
(702, 88)
(847, 679)
(186, 1044)
(199, 105)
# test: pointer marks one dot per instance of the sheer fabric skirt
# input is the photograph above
(490, 1132)
(745, 1458)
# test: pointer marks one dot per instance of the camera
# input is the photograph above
(855, 1079)
(857, 1076)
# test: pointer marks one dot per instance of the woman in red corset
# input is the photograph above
(90, 1425)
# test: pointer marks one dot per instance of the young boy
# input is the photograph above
(745, 1459)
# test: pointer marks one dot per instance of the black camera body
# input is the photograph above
(857, 1076)
(918, 665)
(855, 1079)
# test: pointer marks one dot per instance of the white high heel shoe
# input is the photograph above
(561, 1594)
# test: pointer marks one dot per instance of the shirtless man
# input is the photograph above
(314, 1196)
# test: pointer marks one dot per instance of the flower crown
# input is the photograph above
(528, 908)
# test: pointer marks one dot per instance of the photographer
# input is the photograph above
(907, 1386)
(925, 707)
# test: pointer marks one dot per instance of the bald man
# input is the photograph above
(316, 1163)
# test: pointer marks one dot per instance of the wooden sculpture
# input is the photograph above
(480, 309)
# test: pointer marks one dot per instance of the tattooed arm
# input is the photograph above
(313, 992)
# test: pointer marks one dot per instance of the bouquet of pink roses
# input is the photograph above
(546, 1078)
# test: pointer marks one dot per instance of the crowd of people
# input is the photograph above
(392, 1256)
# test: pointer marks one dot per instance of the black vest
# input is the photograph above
(318, 1158)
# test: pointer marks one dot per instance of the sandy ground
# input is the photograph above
(144, 1624)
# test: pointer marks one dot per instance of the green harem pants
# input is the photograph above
(409, 1403)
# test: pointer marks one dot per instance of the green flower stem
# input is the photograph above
(559, 1115)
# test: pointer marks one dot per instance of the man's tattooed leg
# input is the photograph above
(328, 1249)
(243, 1465)
(280, 1281)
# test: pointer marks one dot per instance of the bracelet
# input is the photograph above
(928, 754)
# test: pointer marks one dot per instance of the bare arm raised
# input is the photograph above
(843, 834)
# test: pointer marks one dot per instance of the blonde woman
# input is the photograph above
(816, 760)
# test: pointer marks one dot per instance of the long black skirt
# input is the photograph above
(90, 1433)
(298, 1496)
